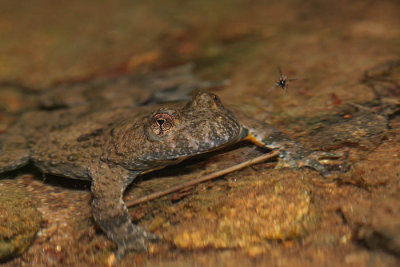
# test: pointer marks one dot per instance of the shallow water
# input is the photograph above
(256, 216)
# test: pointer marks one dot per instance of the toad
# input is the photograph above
(112, 147)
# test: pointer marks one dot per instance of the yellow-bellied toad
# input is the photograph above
(112, 147)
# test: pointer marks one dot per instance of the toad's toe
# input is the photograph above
(136, 241)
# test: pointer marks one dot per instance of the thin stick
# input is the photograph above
(203, 178)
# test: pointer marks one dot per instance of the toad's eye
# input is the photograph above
(161, 124)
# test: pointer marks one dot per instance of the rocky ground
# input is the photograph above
(346, 99)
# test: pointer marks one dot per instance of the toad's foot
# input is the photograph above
(297, 157)
(135, 240)
(110, 211)
(292, 155)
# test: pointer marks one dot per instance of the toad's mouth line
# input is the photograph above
(253, 139)
(242, 136)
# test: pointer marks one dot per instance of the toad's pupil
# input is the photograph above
(160, 122)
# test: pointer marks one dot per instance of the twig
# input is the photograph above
(203, 178)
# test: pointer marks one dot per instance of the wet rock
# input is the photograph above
(19, 220)
(363, 129)
(15, 98)
(249, 215)
(132, 89)
(383, 80)
(377, 225)
(370, 175)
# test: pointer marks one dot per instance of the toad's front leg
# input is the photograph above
(110, 211)
(292, 154)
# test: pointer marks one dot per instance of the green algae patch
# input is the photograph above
(19, 220)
